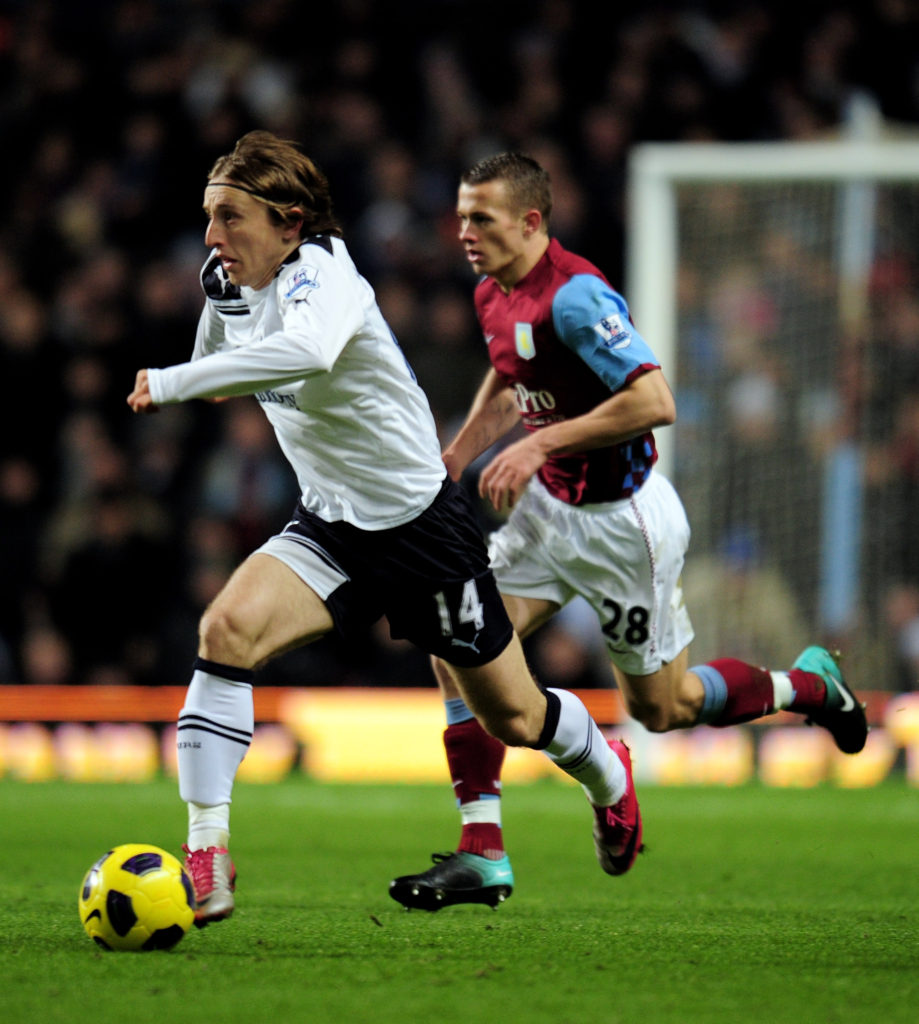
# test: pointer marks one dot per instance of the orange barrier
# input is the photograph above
(112, 703)
(162, 703)
(344, 734)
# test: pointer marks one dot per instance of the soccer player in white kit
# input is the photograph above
(591, 516)
(380, 528)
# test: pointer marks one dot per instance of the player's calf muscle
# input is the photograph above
(515, 730)
(513, 714)
(661, 713)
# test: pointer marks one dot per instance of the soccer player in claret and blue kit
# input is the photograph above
(590, 517)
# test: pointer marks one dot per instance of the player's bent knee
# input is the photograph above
(223, 636)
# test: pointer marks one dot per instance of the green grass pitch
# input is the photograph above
(749, 905)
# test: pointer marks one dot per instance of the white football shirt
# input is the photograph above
(314, 349)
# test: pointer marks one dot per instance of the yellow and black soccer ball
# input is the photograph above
(137, 897)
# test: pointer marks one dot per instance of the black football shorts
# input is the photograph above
(429, 577)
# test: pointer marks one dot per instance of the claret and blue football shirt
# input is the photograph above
(564, 342)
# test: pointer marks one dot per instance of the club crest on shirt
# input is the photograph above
(523, 341)
(614, 331)
(305, 277)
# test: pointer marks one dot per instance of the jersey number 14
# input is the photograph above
(471, 610)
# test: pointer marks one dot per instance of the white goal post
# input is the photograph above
(834, 211)
(656, 169)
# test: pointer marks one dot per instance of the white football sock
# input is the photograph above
(214, 733)
(783, 691)
(580, 750)
(208, 826)
(476, 812)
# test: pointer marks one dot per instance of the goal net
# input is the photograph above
(778, 285)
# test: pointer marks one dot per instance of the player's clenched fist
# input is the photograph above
(139, 399)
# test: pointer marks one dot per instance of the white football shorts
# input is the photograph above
(623, 557)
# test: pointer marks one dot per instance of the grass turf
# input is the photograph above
(750, 905)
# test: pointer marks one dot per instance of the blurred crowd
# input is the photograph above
(115, 531)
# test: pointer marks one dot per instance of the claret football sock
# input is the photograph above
(737, 692)
(734, 692)
(475, 759)
(798, 691)
(214, 732)
(808, 691)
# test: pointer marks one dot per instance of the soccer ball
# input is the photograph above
(137, 897)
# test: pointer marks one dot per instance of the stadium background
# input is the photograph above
(114, 530)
